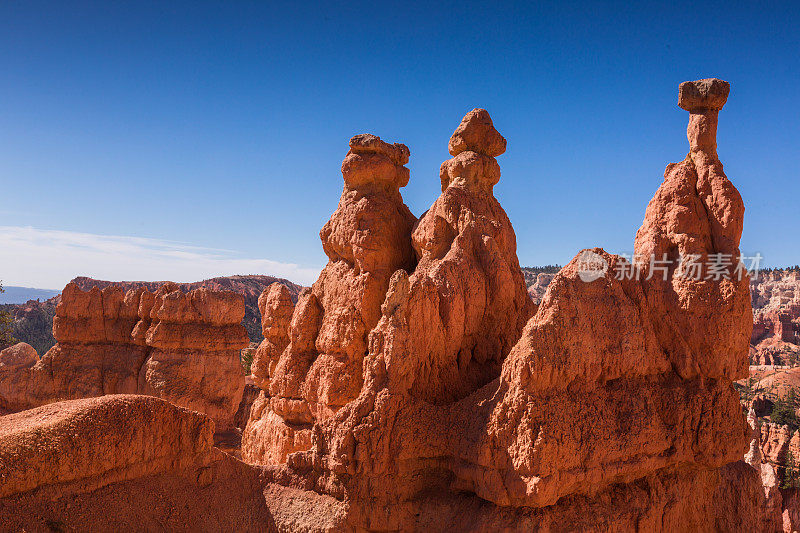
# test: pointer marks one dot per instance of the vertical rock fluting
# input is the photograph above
(180, 347)
(613, 405)
(319, 370)
(443, 334)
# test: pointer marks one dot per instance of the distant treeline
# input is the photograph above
(546, 269)
(795, 268)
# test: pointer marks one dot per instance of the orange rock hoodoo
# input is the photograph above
(415, 386)
(180, 347)
(613, 404)
(310, 362)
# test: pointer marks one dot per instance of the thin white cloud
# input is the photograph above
(32, 257)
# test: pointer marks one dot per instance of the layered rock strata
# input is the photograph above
(180, 347)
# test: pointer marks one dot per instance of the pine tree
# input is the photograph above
(6, 326)
(791, 477)
(783, 411)
(246, 359)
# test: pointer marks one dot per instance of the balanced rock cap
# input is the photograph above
(373, 161)
(367, 143)
(476, 133)
(703, 95)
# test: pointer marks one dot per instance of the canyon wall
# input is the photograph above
(250, 287)
(177, 346)
(776, 329)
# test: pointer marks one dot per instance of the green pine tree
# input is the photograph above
(783, 411)
(246, 359)
(791, 476)
(6, 326)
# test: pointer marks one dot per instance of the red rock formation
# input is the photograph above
(181, 347)
(778, 383)
(772, 502)
(775, 443)
(276, 309)
(118, 463)
(753, 455)
(250, 287)
(776, 289)
(193, 344)
(467, 297)
(539, 287)
(770, 449)
(780, 354)
(790, 517)
(15, 364)
(57, 443)
(310, 366)
(18, 355)
(613, 381)
(698, 212)
(411, 389)
(776, 329)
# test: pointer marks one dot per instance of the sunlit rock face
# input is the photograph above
(415, 386)
(616, 389)
(310, 362)
(183, 347)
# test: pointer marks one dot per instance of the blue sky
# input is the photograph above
(176, 141)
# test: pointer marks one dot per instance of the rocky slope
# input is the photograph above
(33, 322)
(776, 308)
(121, 463)
(772, 393)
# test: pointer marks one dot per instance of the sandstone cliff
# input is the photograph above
(33, 321)
(181, 347)
(250, 287)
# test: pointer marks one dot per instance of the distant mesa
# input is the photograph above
(20, 295)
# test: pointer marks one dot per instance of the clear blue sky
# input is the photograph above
(223, 125)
